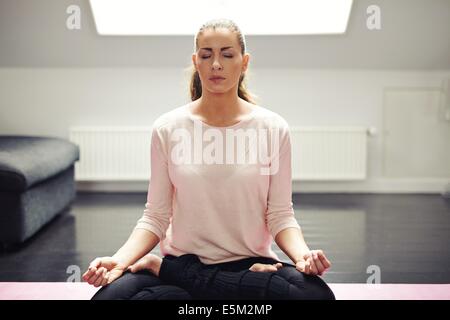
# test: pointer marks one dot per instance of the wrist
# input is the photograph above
(155, 268)
(301, 255)
(120, 262)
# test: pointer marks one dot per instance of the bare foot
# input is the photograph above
(262, 267)
(148, 262)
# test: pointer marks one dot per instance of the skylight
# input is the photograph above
(254, 17)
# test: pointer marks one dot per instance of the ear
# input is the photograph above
(194, 60)
(245, 61)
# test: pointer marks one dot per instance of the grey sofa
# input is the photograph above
(36, 184)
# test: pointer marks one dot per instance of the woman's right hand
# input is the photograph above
(102, 271)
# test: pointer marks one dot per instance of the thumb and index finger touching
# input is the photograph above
(94, 266)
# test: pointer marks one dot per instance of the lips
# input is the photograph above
(216, 78)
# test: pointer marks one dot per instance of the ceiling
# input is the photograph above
(414, 35)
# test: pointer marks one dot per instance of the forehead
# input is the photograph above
(218, 38)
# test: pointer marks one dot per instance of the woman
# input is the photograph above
(215, 219)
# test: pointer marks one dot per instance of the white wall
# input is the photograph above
(413, 35)
(47, 101)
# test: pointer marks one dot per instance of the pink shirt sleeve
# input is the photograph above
(280, 212)
(158, 208)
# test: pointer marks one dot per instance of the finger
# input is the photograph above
(95, 277)
(104, 282)
(112, 277)
(100, 278)
(101, 274)
(318, 263)
(270, 268)
(252, 268)
(259, 267)
(108, 277)
(300, 265)
(313, 267)
(95, 263)
(255, 267)
(307, 266)
(86, 275)
(92, 277)
(325, 262)
(105, 279)
(99, 281)
(278, 265)
(89, 273)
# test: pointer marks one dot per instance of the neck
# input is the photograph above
(222, 106)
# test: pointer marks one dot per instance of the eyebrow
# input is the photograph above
(210, 49)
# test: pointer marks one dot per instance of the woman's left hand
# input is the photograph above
(262, 267)
(313, 263)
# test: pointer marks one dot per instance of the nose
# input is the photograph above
(216, 65)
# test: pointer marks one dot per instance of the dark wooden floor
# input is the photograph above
(406, 236)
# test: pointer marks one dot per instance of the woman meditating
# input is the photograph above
(220, 192)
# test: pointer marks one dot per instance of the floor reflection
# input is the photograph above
(406, 236)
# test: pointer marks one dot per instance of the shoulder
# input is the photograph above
(270, 119)
(170, 119)
(166, 122)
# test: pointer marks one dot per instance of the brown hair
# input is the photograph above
(195, 86)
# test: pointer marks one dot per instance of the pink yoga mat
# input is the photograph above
(342, 291)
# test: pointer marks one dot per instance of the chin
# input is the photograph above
(220, 89)
(217, 91)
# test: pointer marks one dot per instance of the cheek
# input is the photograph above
(237, 65)
(236, 69)
(201, 64)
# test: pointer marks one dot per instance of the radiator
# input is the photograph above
(112, 153)
(123, 153)
(329, 153)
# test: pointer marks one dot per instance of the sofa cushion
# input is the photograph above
(27, 160)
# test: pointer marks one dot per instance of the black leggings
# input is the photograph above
(186, 278)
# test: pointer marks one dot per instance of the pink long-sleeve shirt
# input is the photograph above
(211, 198)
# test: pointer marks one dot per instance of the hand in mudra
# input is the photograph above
(102, 271)
(313, 262)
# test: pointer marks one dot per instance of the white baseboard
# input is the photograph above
(381, 185)
(112, 186)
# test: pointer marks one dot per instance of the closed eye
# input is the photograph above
(226, 56)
